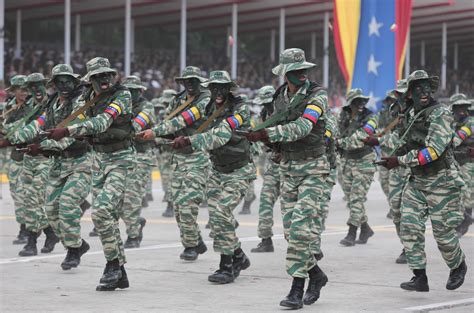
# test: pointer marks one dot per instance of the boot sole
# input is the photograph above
(363, 242)
(455, 286)
(347, 244)
(417, 290)
(262, 251)
(112, 287)
(220, 281)
(26, 255)
(20, 242)
(291, 305)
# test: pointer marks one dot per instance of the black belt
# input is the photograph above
(112, 147)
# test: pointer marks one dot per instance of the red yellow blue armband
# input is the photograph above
(42, 119)
(427, 155)
(235, 121)
(464, 132)
(312, 113)
(191, 115)
(114, 110)
(142, 119)
(370, 127)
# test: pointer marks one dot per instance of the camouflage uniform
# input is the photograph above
(384, 119)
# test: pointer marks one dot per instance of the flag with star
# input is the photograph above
(370, 39)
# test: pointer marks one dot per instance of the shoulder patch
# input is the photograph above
(114, 110)
(312, 113)
(235, 121)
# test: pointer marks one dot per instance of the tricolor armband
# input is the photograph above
(114, 110)
(464, 132)
(235, 121)
(42, 119)
(327, 136)
(427, 155)
(370, 127)
(312, 113)
(142, 119)
(191, 115)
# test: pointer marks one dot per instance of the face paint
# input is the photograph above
(219, 92)
(21, 94)
(421, 93)
(101, 82)
(64, 85)
(358, 105)
(136, 93)
(191, 85)
(38, 90)
(461, 112)
(297, 78)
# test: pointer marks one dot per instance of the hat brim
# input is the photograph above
(434, 83)
(366, 99)
(100, 70)
(180, 79)
(11, 88)
(261, 101)
(135, 86)
(461, 102)
(76, 76)
(220, 81)
(282, 69)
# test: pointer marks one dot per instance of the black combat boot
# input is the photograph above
(240, 262)
(30, 248)
(144, 202)
(192, 253)
(93, 233)
(402, 259)
(419, 282)
(22, 237)
(121, 283)
(319, 256)
(351, 236)
(149, 197)
(317, 280)
(464, 226)
(73, 256)
(365, 233)
(51, 240)
(294, 299)
(246, 206)
(456, 276)
(85, 206)
(111, 276)
(140, 231)
(225, 273)
(169, 212)
(131, 243)
(266, 245)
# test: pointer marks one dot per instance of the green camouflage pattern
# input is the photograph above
(133, 82)
(190, 72)
(219, 77)
(63, 70)
(15, 172)
(353, 94)
(419, 75)
(292, 59)
(268, 197)
(264, 95)
(96, 66)
(16, 81)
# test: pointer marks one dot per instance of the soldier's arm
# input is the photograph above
(101, 122)
(144, 118)
(185, 119)
(49, 144)
(356, 140)
(464, 132)
(390, 140)
(439, 137)
(222, 133)
(28, 132)
(302, 126)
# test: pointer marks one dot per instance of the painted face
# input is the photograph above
(219, 92)
(64, 84)
(191, 85)
(136, 93)
(358, 105)
(102, 82)
(21, 94)
(461, 112)
(421, 92)
(38, 90)
(297, 78)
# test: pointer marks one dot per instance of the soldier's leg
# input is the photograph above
(53, 192)
(130, 209)
(15, 169)
(384, 182)
(467, 174)
(248, 199)
(362, 177)
(398, 180)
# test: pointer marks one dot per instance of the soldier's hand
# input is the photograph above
(371, 141)
(58, 133)
(180, 142)
(34, 149)
(259, 135)
(5, 143)
(390, 162)
(277, 157)
(147, 134)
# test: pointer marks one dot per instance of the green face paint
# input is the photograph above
(421, 93)
(101, 82)
(297, 78)
(64, 85)
(192, 86)
(37, 90)
(219, 92)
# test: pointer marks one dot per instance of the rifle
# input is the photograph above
(389, 127)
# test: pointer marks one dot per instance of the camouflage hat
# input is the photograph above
(167, 96)
(190, 72)
(133, 82)
(459, 99)
(219, 77)
(96, 66)
(35, 78)
(355, 94)
(401, 86)
(291, 60)
(63, 70)
(389, 95)
(157, 103)
(264, 95)
(16, 82)
(421, 75)
(244, 98)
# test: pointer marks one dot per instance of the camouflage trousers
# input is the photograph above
(340, 180)
(69, 183)
(34, 179)
(15, 171)
(437, 197)
(467, 174)
(250, 193)
(301, 198)
(164, 166)
(268, 196)
(357, 175)
(110, 173)
(224, 193)
(186, 189)
(398, 179)
(384, 180)
(131, 208)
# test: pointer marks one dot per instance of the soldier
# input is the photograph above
(356, 124)
(298, 125)
(14, 113)
(189, 166)
(434, 187)
(271, 179)
(144, 118)
(110, 127)
(463, 143)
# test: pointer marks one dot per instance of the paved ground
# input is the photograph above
(364, 278)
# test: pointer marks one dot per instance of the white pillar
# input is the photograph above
(456, 51)
(313, 46)
(444, 53)
(67, 31)
(132, 36)
(407, 55)
(228, 46)
(18, 34)
(326, 51)
(234, 46)
(182, 53)
(282, 35)
(2, 37)
(77, 37)
(422, 54)
(272, 45)
(128, 22)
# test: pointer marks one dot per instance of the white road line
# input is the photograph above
(441, 306)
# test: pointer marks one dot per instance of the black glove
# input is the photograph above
(259, 135)
(58, 133)
(390, 162)
(181, 142)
